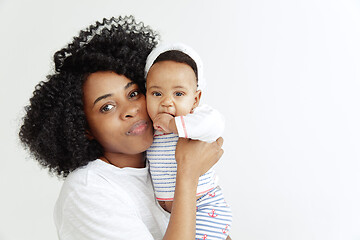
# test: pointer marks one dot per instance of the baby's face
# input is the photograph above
(171, 88)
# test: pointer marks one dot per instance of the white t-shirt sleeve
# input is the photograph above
(94, 214)
(205, 124)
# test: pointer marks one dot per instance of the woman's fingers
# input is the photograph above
(218, 145)
(220, 141)
(196, 156)
(221, 152)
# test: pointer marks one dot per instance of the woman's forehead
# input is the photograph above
(100, 83)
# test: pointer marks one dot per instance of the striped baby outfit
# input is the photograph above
(213, 216)
(161, 156)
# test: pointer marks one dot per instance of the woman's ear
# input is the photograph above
(89, 135)
(197, 100)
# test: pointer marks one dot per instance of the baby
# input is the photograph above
(174, 80)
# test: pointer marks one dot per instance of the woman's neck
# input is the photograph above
(124, 160)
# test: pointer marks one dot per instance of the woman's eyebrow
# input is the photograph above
(102, 97)
(129, 84)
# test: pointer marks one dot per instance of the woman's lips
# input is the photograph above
(138, 128)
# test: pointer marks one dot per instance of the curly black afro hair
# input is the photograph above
(54, 126)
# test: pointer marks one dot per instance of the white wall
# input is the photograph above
(284, 73)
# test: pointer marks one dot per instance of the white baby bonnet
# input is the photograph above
(161, 48)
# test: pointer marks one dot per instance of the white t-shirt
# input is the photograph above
(101, 201)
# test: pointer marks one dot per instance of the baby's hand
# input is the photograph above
(165, 123)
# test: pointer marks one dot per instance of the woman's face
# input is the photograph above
(116, 113)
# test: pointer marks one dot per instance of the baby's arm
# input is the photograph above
(205, 124)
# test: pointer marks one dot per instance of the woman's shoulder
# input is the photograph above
(91, 184)
(100, 178)
(84, 176)
(85, 181)
(89, 196)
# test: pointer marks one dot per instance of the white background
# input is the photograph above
(285, 73)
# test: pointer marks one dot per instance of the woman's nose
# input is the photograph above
(130, 111)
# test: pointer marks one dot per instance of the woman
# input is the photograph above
(89, 123)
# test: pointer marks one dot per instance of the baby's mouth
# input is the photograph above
(173, 115)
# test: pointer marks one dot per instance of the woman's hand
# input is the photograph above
(194, 158)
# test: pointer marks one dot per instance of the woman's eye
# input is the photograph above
(156, 94)
(107, 108)
(179, 94)
(134, 94)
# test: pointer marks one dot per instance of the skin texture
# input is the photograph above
(171, 91)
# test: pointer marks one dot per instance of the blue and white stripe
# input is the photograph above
(213, 216)
(163, 167)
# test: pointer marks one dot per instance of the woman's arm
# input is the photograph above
(194, 158)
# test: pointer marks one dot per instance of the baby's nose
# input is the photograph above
(167, 102)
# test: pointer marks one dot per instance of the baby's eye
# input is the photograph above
(106, 108)
(156, 94)
(179, 94)
(134, 94)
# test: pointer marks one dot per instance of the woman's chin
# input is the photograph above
(145, 141)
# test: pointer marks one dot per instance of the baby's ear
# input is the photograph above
(196, 100)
